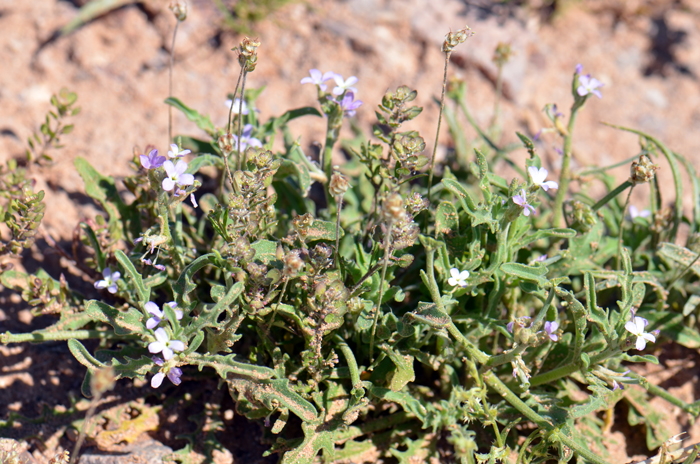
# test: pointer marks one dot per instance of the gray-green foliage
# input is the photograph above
(380, 348)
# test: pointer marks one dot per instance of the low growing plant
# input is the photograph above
(365, 312)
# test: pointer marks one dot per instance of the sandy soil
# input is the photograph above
(645, 52)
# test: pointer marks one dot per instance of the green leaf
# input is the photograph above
(208, 317)
(203, 122)
(143, 292)
(265, 251)
(322, 230)
(90, 11)
(92, 238)
(681, 255)
(446, 218)
(299, 171)
(184, 284)
(126, 322)
(429, 314)
(102, 189)
(534, 273)
(205, 159)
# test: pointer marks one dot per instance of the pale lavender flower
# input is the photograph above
(551, 327)
(588, 85)
(110, 280)
(348, 105)
(540, 259)
(579, 68)
(176, 175)
(174, 374)
(521, 200)
(159, 315)
(344, 85)
(636, 327)
(236, 105)
(152, 161)
(538, 178)
(175, 151)
(194, 200)
(165, 345)
(458, 278)
(509, 326)
(318, 79)
(634, 212)
(559, 151)
(618, 385)
(246, 139)
(160, 267)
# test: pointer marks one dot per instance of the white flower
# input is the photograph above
(634, 212)
(164, 344)
(458, 278)
(237, 104)
(159, 315)
(175, 151)
(636, 327)
(538, 178)
(110, 280)
(342, 86)
(176, 175)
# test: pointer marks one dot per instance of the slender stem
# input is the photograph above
(83, 429)
(274, 311)
(352, 362)
(496, 384)
(235, 92)
(682, 273)
(619, 232)
(569, 369)
(339, 202)
(565, 175)
(57, 335)
(437, 135)
(367, 275)
(239, 161)
(619, 189)
(170, 83)
(387, 252)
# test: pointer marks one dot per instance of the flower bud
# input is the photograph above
(179, 9)
(393, 207)
(226, 144)
(248, 54)
(338, 185)
(642, 170)
(452, 39)
(293, 264)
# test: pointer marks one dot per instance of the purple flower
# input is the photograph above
(509, 326)
(342, 86)
(588, 85)
(174, 374)
(176, 175)
(236, 105)
(160, 267)
(110, 280)
(579, 68)
(318, 79)
(538, 178)
(158, 315)
(152, 161)
(175, 151)
(194, 200)
(348, 105)
(521, 200)
(551, 328)
(246, 139)
(165, 345)
(559, 151)
(539, 259)
(636, 327)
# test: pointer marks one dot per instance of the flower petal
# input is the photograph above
(157, 380)
(167, 353)
(177, 345)
(162, 336)
(153, 308)
(168, 184)
(155, 347)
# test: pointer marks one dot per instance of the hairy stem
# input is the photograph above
(437, 135)
(170, 83)
(387, 253)
(239, 161)
(565, 175)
